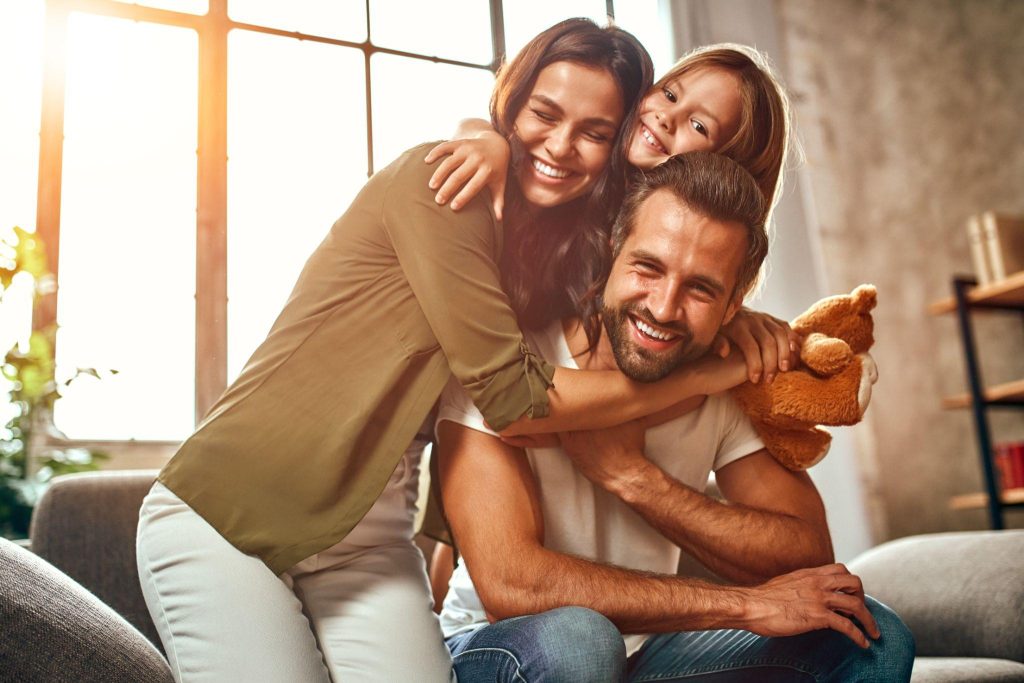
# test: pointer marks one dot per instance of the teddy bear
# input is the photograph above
(831, 386)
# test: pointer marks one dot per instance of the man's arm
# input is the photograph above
(493, 507)
(773, 523)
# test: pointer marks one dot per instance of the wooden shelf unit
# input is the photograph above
(1007, 295)
(1008, 394)
(973, 501)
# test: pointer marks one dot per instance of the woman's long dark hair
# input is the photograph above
(554, 260)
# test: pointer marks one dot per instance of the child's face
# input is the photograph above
(697, 111)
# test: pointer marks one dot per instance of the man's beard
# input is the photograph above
(638, 363)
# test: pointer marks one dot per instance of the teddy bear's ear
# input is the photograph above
(865, 298)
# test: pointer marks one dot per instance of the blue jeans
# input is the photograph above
(578, 645)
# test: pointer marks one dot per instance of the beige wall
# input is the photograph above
(911, 113)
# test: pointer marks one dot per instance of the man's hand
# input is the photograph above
(605, 456)
(807, 600)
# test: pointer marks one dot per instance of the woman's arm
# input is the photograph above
(593, 399)
(477, 157)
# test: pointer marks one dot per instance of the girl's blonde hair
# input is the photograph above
(761, 143)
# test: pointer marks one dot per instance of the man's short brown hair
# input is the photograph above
(710, 185)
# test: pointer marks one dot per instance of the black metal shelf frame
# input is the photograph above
(979, 404)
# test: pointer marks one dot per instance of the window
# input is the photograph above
(190, 154)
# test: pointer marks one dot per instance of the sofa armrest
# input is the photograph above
(961, 594)
(55, 630)
(85, 526)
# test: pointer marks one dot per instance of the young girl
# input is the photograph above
(722, 98)
(277, 543)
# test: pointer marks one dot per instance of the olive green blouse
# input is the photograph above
(400, 295)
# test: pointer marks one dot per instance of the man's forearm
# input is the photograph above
(738, 543)
(637, 602)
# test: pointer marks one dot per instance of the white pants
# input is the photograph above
(349, 613)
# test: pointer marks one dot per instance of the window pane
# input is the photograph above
(128, 229)
(21, 83)
(456, 29)
(526, 18)
(297, 157)
(188, 6)
(651, 23)
(342, 19)
(415, 101)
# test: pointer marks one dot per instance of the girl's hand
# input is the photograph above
(768, 344)
(472, 165)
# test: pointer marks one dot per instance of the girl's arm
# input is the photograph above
(477, 158)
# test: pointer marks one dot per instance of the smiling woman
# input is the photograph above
(567, 135)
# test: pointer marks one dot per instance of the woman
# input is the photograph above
(722, 98)
(277, 543)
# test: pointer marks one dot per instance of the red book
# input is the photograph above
(1009, 463)
(1016, 457)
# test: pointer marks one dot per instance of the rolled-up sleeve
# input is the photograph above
(450, 261)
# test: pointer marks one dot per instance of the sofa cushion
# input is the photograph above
(966, 670)
(85, 526)
(961, 594)
(55, 630)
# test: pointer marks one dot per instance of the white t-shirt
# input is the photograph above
(584, 520)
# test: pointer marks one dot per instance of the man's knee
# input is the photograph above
(580, 644)
(894, 650)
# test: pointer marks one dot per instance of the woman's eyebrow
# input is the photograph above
(592, 121)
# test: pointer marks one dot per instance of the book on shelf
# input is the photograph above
(979, 250)
(1009, 462)
(1003, 238)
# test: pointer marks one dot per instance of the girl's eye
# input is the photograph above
(699, 127)
(669, 95)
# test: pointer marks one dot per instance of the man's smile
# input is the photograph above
(652, 337)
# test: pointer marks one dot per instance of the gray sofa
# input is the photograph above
(961, 594)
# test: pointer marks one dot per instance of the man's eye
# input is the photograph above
(669, 95)
(645, 267)
(699, 127)
(543, 116)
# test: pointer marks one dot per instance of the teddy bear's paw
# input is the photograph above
(869, 375)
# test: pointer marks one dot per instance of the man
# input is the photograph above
(564, 548)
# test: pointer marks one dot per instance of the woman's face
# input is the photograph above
(698, 111)
(567, 128)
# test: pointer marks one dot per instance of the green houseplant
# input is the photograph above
(27, 461)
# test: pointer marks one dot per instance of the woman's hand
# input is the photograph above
(768, 344)
(472, 164)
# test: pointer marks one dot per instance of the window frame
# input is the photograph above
(211, 309)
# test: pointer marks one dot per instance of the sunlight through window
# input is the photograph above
(343, 19)
(188, 6)
(454, 29)
(416, 101)
(128, 236)
(296, 158)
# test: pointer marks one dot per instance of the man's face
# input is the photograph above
(671, 287)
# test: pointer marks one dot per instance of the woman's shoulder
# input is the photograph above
(410, 166)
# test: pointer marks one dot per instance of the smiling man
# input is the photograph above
(565, 549)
